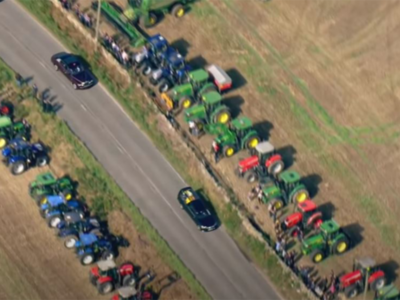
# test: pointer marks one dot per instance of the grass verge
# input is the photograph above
(142, 114)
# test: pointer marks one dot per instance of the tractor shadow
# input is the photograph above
(288, 155)
(234, 103)
(210, 206)
(264, 129)
(312, 183)
(167, 281)
(354, 232)
(390, 268)
(238, 81)
(182, 45)
(327, 209)
(198, 62)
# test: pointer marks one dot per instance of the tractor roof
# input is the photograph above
(46, 178)
(212, 98)
(19, 143)
(105, 265)
(330, 226)
(366, 262)
(173, 57)
(290, 176)
(272, 191)
(307, 206)
(199, 75)
(5, 121)
(127, 291)
(88, 238)
(219, 74)
(55, 200)
(157, 40)
(73, 216)
(242, 123)
(388, 292)
(265, 147)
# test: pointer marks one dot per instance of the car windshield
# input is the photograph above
(75, 67)
(199, 209)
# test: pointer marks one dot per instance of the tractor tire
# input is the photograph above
(300, 196)
(341, 246)
(178, 11)
(252, 142)
(53, 221)
(152, 21)
(93, 278)
(87, 259)
(107, 255)
(163, 86)
(228, 151)
(70, 241)
(40, 199)
(67, 194)
(251, 176)
(223, 117)
(185, 102)
(18, 168)
(277, 203)
(105, 287)
(145, 69)
(42, 161)
(276, 167)
(378, 283)
(317, 256)
(3, 142)
(129, 280)
(351, 291)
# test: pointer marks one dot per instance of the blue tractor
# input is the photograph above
(172, 70)
(21, 155)
(91, 247)
(55, 208)
(151, 55)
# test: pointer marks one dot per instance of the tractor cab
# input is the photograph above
(389, 292)
(198, 78)
(86, 239)
(365, 265)
(241, 126)
(107, 268)
(329, 230)
(306, 214)
(289, 182)
(157, 44)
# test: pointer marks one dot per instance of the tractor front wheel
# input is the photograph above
(3, 142)
(317, 256)
(276, 167)
(228, 151)
(163, 86)
(252, 142)
(18, 168)
(378, 283)
(107, 255)
(67, 194)
(145, 69)
(341, 246)
(42, 161)
(70, 242)
(105, 287)
(185, 102)
(223, 116)
(54, 221)
(300, 196)
(152, 20)
(178, 11)
(251, 176)
(129, 280)
(277, 203)
(351, 291)
(87, 259)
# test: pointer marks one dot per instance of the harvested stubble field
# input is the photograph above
(319, 79)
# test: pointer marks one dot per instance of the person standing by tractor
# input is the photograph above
(216, 149)
(18, 79)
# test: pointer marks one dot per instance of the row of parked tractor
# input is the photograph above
(198, 94)
(60, 207)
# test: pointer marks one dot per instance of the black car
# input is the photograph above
(73, 68)
(197, 209)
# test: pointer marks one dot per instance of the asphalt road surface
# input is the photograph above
(134, 162)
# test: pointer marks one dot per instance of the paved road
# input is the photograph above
(134, 162)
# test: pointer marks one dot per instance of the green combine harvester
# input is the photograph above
(10, 130)
(286, 188)
(238, 135)
(330, 240)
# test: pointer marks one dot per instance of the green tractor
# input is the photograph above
(329, 240)
(388, 292)
(209, 114)
(284, 189)
(238, 135)
(46, 184)
(10, 130)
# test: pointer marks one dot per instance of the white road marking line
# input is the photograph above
(84, 107)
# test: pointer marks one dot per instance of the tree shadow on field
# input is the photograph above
(238, 80)
(198, 62)
(288, 155)
(234, 103)
(390, 268)
(264, 129)
(354, 232)
(182, 45)
(312, 182)
(327, 209)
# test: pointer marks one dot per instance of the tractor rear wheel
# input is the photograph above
(107, 255)
(145, 69)
(18, 168)
(70, 242)
(185, 102)
(252, 142)
(151, 21)
(223, 116)
(178, 11)
(351, 291)
(293, 232)
(3, 142)
(251, 176)
(87, 259)
(276, 167)
(341, 246)
(105, 287)
(93, 278)
(228, 151)
(42, 161)
(317, 256)
(54, 221)
(163, 86)
(277, 203)
(378, 283)
(300, 196)
(129, 280)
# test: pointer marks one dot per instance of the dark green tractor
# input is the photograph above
(329, 240)
(10, 130)
(388, 292)
(46, 184)
(210, 113)
(238, 135)
(286, 188)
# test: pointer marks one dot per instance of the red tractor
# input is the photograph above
(265, 162)
(306, 217)
(6, 109)
(364, 273)
(130, 293)
(107, 276)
